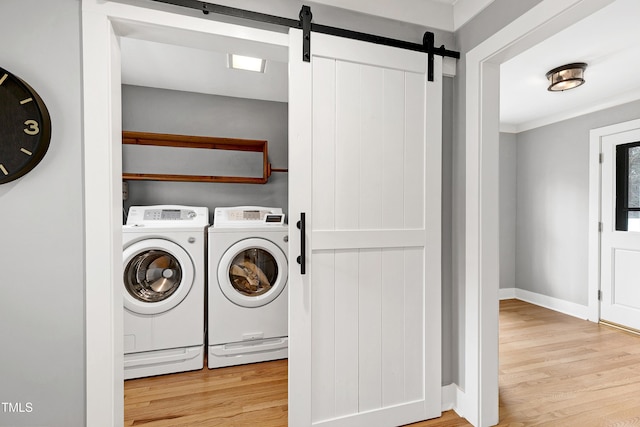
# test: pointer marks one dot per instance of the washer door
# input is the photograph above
(158, 275)
(252, 272)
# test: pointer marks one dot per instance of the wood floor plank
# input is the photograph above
(555, 370)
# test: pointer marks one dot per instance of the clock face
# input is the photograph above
(25, 127)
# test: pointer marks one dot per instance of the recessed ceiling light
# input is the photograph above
(248, 63)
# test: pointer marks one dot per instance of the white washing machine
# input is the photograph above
(164, 250)
(247, 287)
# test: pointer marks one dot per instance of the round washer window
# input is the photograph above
(152, 276)
(158, 275)
(252, 272)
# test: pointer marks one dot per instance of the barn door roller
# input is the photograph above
(305, 24)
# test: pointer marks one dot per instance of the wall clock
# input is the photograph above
(25, 127)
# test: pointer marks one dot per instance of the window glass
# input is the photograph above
(253, 272)
(152, 276)
(633, 178)
(628, 187)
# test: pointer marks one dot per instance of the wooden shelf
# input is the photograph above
(200, 142)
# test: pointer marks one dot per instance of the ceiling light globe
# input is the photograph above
(566, 77)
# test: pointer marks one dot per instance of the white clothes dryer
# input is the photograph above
(247, 288)
(164, 249)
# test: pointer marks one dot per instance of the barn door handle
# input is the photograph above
(301, 258)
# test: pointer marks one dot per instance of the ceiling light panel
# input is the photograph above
(247, 63)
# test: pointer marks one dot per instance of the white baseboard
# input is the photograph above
(572, 309)
(449, 397)
(453, 399)
(507, 293)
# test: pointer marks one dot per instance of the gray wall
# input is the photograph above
(449, 357)
(508, 179)
(342, 18)
(553, 204)
(167, 111)
(41, 220)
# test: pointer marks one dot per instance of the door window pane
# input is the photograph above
(633, 177)
(628, 187)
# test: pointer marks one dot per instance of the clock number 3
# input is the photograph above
(31, 127)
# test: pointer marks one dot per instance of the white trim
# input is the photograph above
(449, 395)
(103, 205)
(593, 273)
(452, 399)
(481, 132)
(449, 67)
(595, 191)
(507, 293)
(556, 304)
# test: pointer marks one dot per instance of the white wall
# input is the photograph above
(41, 222)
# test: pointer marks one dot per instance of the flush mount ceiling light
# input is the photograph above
(248, 63)
(566, 77)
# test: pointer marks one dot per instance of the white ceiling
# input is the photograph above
(607, 41)
(186, 69)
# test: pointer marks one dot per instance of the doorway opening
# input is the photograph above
(189, 89)
(103, 56)
(481, 198)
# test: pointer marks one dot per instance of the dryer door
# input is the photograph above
(158, 275)
(252, 272)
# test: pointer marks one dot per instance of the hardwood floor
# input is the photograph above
(555, 370)
(248, 395)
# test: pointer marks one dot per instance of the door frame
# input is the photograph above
(595, 207)
(478, 403)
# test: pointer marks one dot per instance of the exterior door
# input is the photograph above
(620, 244)
(365, 170)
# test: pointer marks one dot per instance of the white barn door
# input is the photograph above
(365, 131)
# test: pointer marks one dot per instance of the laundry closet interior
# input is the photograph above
(204, 155)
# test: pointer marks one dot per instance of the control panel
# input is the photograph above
(168, 215)
(247, 216)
